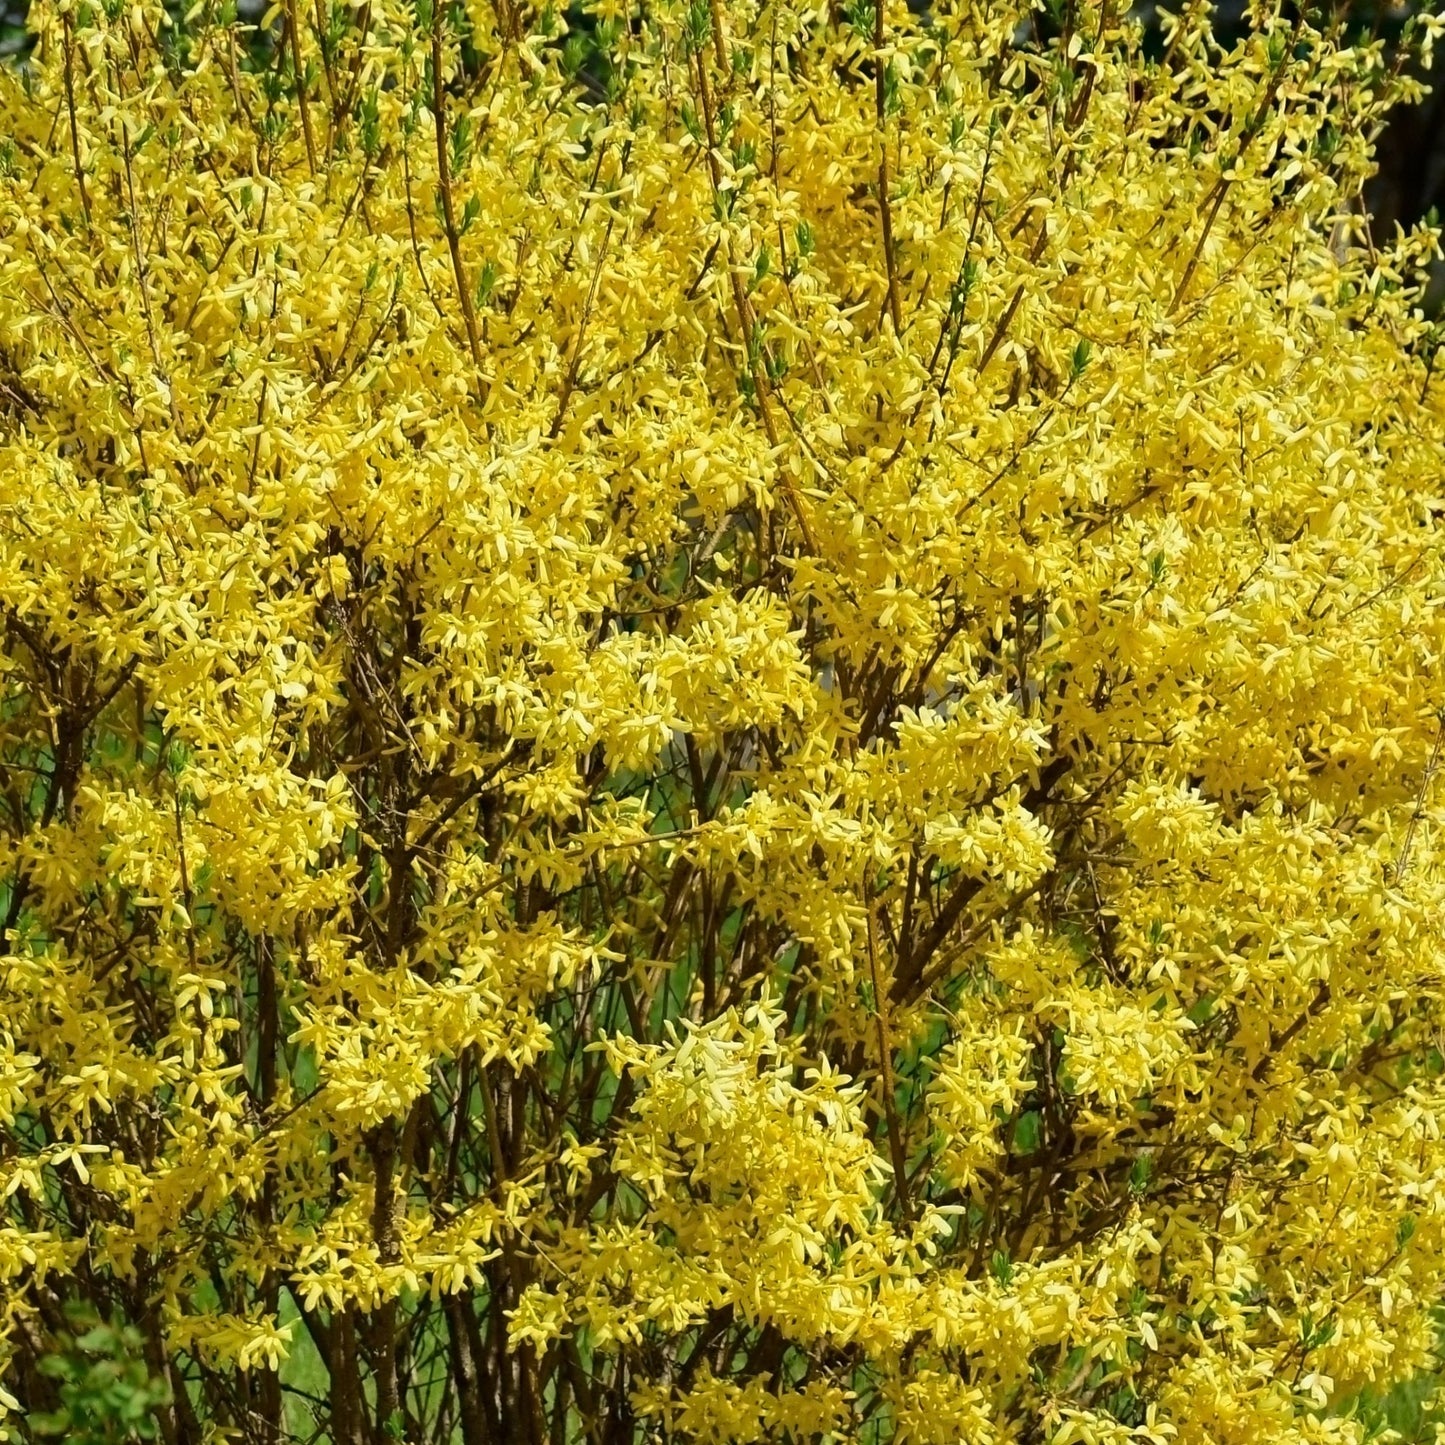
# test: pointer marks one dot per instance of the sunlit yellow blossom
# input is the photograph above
(719, 724)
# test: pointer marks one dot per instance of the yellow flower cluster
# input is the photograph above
(719, 722)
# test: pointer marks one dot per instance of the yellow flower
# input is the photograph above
(718, 722)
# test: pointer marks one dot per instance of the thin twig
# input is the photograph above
(293, 29)
(570, 384)
(885, 1062)
(449, 210)
(1397, 872)
(880, 99)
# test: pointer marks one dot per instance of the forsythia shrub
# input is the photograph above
(718, 724)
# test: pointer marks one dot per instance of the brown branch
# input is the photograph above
(575, 366)
(885, 1064)
(293, 33)
(1278, 1041)
(449, 210)
(880, 99)
(70, 106)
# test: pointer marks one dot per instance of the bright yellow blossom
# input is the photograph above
(719, 723)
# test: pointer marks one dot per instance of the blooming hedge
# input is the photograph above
(718, 723)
